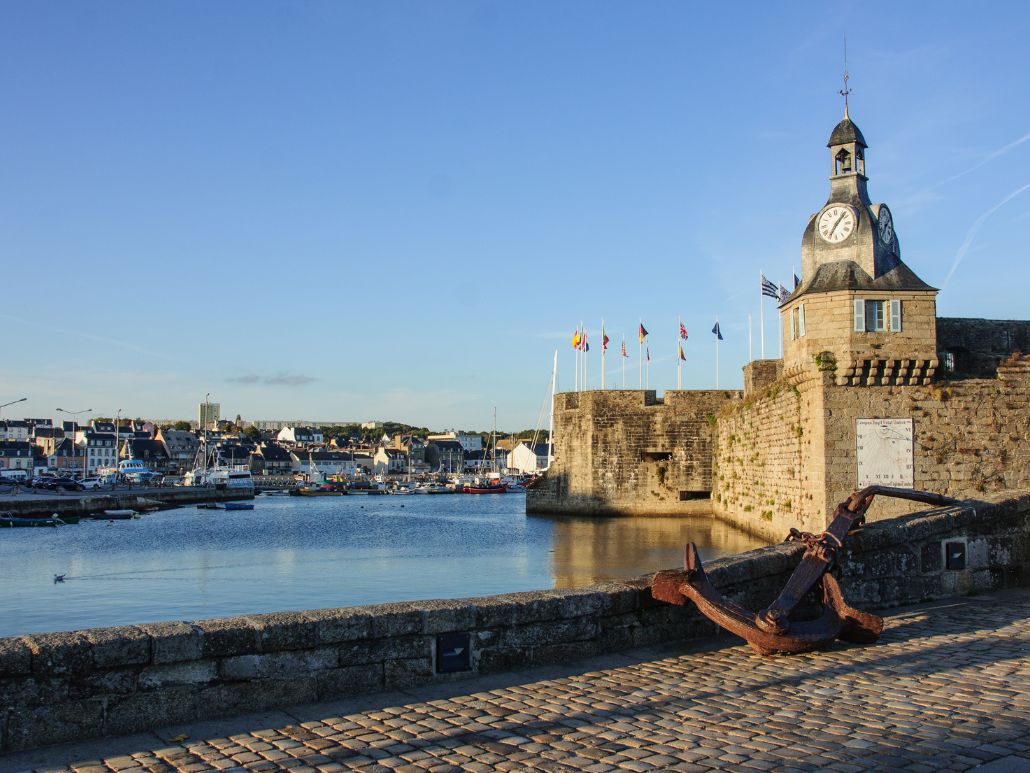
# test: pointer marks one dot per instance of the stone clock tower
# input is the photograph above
(861, 315)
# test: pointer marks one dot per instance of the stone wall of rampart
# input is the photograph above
(628, 452)
(68, 686)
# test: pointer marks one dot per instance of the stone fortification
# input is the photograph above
(628, 452)
(66, 686)
(785, 457)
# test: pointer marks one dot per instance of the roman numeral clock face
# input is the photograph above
(836, 223)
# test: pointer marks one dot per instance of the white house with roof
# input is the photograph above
(300, 436)
(528, 457)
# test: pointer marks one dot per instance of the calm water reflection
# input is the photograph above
(296, 553)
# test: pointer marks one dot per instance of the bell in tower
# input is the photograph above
(861, 316)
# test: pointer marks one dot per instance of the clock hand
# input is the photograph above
(837, 222)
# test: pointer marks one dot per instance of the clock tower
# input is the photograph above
(861, 316)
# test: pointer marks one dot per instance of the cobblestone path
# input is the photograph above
(947, 688)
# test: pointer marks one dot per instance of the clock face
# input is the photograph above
(885, 225)
(836, 223)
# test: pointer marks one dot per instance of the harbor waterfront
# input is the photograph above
(293, 553)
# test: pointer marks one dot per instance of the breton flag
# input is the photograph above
(680, 347)
(683, 332)
(643, 332)
(768, 288)
(717, 331)
(784, 294)
(583, 344)
(624, 347)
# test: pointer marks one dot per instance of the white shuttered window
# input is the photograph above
(859, 315)
(896, 316)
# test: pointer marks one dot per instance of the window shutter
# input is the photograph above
(791, 323)
(801, 320)
(859, 315)
(896, 316)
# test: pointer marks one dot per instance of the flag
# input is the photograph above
(680, 347)
(768, 288)
(796, 281)
(717, 331)
(604, 340)
(575, 340)
(784, 294)
(586, 346)
(648, 350)
(683, 332)
(624, 347)
(643, 333)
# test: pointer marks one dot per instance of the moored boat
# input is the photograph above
(485, 487)
(239, 505)
(12, 522)
(117, 515)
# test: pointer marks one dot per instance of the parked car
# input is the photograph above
(91, 482)
(63, 484)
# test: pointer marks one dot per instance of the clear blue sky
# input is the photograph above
(398, 210)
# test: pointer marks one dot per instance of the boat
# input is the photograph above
(239, 505)
(365, 487)
(135, 470)
(11, 522)
(433, 488)
(210, 506)
(327, 489)
(490, 486)
(118, 515)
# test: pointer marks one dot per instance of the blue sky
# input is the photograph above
(399, 210)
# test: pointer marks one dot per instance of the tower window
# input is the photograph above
(872, 316)
(842, 163)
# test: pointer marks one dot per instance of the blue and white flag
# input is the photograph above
(784, 294)
(768, 288)
(718, 333)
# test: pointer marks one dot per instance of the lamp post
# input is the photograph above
(85, 451)
(13, 402)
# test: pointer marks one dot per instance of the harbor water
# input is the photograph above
(294, 553)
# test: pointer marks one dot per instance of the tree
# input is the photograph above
(183, 426)
(252, 432)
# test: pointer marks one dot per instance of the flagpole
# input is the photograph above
(716, 355)
(603, 348)
(640, 358)
(679, 362)
(750, 357)
(623, 358)
(647, 370)
(579, 360)
(761, 306)
(575, 359)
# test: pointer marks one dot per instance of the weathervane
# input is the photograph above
(845, 91)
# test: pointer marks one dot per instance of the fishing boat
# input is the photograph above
(488, 486)
(327, 489)
(365, 487)
(433, 488)
(118, 515)
(13, 522)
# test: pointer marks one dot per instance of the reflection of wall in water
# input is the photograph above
(590, 550)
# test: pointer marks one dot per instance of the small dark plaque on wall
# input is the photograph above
(955, 556)
(453, 653)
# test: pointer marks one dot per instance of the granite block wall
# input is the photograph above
(628, 452)
(68, 686)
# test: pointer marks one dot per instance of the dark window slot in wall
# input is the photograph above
(686, 496)
(656, 456)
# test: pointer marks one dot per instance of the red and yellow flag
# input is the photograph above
(643, 332)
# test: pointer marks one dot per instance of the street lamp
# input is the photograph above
(19, 400)
(85, 451)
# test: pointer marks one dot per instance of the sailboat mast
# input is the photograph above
(550, 420)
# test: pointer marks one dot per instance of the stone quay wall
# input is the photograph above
(86, 503)
(59, 687)
(627, 452)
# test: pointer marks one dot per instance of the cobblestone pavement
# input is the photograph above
(947, 688)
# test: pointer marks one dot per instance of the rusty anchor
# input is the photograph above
(771, 630)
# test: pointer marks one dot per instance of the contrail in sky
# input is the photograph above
(99, 339)
(985, 160)
(976, 227)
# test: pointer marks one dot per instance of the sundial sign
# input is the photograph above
(884, 452)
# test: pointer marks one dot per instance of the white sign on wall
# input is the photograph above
(885, 452)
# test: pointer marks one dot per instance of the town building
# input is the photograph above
(300, 436)
(16, 455)
(182, 448)
(528, 458)
(208, 415)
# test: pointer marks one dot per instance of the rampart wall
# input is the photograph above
(788, 455)
(627, 452)
(68, 686)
